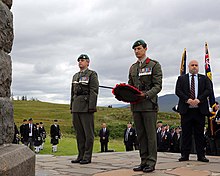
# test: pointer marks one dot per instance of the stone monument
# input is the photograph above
(15, 160)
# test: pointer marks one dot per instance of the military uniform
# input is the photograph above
(84, 93)
(147, 77)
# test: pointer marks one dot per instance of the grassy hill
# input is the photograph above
(116, 118)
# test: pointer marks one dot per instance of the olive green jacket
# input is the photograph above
(148, 79)
(84, 91)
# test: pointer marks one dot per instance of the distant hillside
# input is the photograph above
(167, 102)
(116, 118)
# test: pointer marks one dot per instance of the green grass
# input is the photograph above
(116, 119)
(67, 146)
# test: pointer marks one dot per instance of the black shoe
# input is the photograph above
(139, 168)
(183, 159)
(203, 159)
(149, 169)
(85, 161)
(76, 161)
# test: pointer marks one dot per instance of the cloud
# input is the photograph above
(50, 35)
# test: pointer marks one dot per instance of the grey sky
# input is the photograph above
(51, 34)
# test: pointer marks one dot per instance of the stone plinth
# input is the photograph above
(16, 160)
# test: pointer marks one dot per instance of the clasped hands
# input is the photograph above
(192, 102)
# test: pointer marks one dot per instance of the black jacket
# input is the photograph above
(26, 131)
(131, 136)
(55, 131)
(183, 90)
(104, 134)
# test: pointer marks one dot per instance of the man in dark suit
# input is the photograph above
(164, 140)
(193, 90)
(22, 130)
(104, 138)
(29, 134)
(176, 140)
(129, 137)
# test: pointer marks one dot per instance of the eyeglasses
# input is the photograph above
(194, 65)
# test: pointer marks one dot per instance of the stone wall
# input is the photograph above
(6, 41)
(15, 160)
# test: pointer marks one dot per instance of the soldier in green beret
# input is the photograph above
(146, 75)
(84, 93)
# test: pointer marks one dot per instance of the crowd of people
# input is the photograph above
(34, 135)
(168, 139)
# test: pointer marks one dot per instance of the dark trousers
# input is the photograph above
(129, 146)
(84, 126)
(30, 143)
(104, 146)
(193, 122)
(145, 123)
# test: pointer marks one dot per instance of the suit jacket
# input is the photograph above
(164, 142)
(26, 131)
(104, 134)
(54, 131)
(131, 136)
(183, 92)
(176, 143)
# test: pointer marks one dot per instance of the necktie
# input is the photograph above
(192, 88)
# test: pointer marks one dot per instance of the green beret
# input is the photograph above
(83, 56)
(139, 42)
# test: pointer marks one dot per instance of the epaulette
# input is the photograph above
(154, 61)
